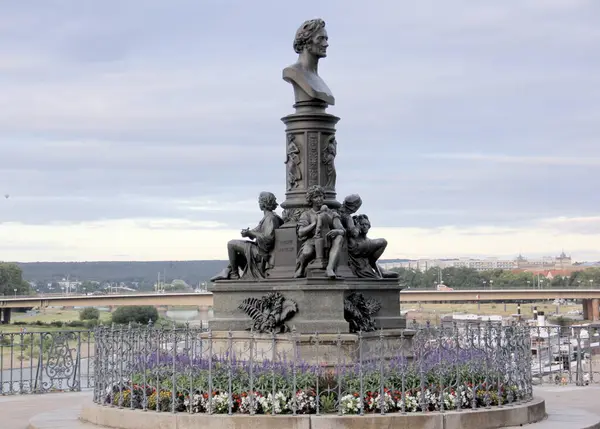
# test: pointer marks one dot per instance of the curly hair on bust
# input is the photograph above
(306, 31)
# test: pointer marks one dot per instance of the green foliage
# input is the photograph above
(177, 286)
(11, 278)
(135, 314)
(469, 278)
(328, 402)
(561, 321)
(90, 324)
(89, 313)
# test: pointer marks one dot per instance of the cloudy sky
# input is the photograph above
(145, 129)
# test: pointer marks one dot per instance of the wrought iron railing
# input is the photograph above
(565, 355)
(42, 362)
(64, 360)
(426, 369)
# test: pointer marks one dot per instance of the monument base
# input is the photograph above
(325, 350)
(320, 303)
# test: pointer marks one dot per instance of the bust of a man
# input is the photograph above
(310, 44)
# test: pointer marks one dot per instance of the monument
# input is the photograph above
(314, 269)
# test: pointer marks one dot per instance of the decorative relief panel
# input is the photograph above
(313, 159)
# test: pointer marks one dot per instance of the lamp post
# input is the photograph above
(491, 284)
(15, 292)
(591, 283)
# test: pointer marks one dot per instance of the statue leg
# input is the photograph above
(306, 255)
(378, 245)
(334, 256)
(237, 260)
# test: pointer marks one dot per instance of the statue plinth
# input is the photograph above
(310, 130)
(320, 302)
(286, 251)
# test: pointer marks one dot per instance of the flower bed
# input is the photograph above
(173, 370)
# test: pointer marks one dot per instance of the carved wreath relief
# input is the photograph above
(359, 311)
(293, 161)
(270, 312)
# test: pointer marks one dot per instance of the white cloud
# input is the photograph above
(174, 239)
(516, 159)
(170, 129)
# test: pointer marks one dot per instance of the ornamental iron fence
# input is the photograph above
(65, 360)
(565, 355)
(185, 369)
(42, 362)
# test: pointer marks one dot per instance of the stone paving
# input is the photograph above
(17, 410)
(569, 407)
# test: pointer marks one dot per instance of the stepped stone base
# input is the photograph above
(320, 303)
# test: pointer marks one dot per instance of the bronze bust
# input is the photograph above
(310, 44)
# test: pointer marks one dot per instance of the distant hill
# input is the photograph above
(146, 273)
(192, 272)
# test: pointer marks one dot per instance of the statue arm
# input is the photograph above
(337, 222)
(352, 229)
(304, 227)
(265, 237)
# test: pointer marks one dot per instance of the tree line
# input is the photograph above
(141, 274)
(469, 278)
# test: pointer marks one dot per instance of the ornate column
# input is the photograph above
(311, 148)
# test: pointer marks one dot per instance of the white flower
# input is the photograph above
(250, 402)
(411, 403)
(305, 402)
(220, 403)
(375, 403)
(350, 404)
(196, 403)
(273, 404)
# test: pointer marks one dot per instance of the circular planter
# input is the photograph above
(496, 417)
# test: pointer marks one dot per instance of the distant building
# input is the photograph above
(487, 264)
(546, 263)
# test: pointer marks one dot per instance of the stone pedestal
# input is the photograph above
(310, 129)
(325, 350)
(320, 302)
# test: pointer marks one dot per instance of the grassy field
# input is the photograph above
(55, 314)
